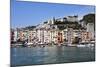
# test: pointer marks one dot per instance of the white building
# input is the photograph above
(90, 28)
(83, 24)
(60, 19)
(65, 34)
(72, 18)
(53, 35)
(43, 33)
(15, 35)
(31, 36)
(77, 33)
(50, 22)
(70, 35)
(47, 36)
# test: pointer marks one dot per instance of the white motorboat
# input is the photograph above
(90, 45)
(80, 45)
(29, 43)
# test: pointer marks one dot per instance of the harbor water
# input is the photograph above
(50, 54)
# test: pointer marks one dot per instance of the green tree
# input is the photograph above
(89, 18)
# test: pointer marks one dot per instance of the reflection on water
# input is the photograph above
(48, 55)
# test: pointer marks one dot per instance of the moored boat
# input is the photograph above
(80, 45)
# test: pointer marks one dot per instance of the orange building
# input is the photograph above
(60, 37)
(86, 36)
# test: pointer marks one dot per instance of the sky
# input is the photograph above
(25, 13)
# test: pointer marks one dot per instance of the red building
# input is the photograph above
(60, 37)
